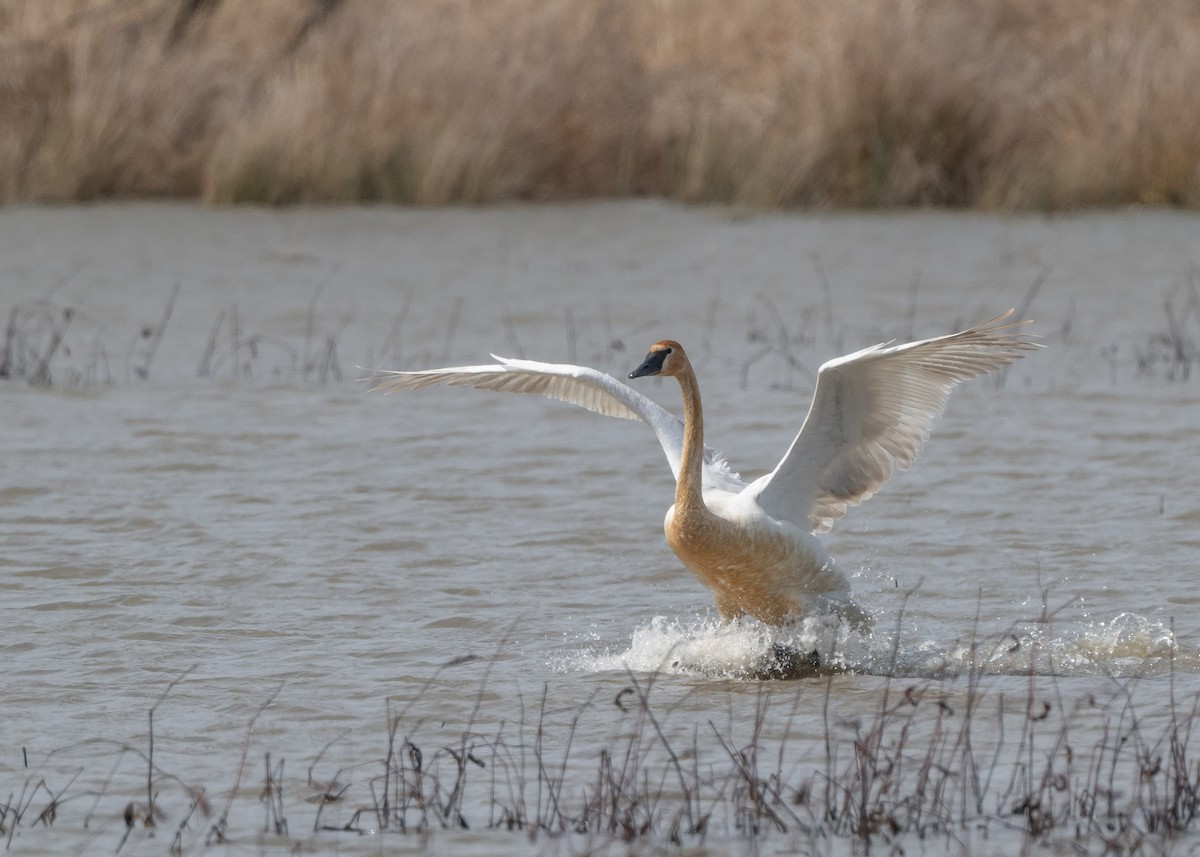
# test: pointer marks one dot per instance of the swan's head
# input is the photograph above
(664, 358)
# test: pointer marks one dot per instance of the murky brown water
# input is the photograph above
(289, 537)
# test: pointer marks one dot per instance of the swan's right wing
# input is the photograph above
(578, 385)
(871, 412)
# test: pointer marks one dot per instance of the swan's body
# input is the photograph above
(753, 544)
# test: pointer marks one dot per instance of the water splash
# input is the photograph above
(1126, 645)
(744, 648)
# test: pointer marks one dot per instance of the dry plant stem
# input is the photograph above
(99, 356)
(390, 351)
(451, 329)
(396, 787)
(50, 812)
(102, 790)
(156, 334)
(779, 344)
(572, 336)
(41, 375)
(756, 789)
(463, 754)
(210, 349)
(35, 341)
(218, 830)
(1000, 377)
(10, 343)
(324, 362)
(311, 323)
(827, 301)
(561, 778)
(963, 743)
(317, 759)
(898, 786)
(1031, 293)
(198, 802)
(914, 291)
(644, 701)
(150, 742)
(272, 796)
(235, 344)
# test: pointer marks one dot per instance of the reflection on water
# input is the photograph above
(465, 560)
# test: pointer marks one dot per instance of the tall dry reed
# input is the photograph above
(997, 103)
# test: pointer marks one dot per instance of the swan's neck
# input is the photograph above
(688, 495)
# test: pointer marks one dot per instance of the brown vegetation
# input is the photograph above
(46, 343)
(1016, 103)
(926, 762)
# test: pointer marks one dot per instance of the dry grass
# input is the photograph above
(1015, 103)
(925, 762)
(46, 343)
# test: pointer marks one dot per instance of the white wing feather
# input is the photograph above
(872, 411)
(578, 385)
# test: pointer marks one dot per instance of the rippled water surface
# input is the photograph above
(222, 524)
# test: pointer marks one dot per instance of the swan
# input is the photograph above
(753, 544)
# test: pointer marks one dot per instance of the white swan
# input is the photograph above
(753, 544)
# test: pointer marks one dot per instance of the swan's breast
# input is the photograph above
(752, 562)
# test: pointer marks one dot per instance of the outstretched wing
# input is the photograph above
(872, 411)
(578, 385)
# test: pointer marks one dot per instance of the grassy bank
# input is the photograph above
(1011, 103)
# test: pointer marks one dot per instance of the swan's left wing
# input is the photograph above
(578, 385)
(872, 411)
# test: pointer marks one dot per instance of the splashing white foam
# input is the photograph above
(708, 646)
(1125, 645)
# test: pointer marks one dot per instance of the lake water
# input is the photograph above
(215, 520)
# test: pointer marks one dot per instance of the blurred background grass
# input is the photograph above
(764, 103)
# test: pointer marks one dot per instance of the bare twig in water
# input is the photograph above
(1000, 377)
(205, 368)
(154, 336)
(392, 343)
(1032, 292)
(572, 336)
(235, 343)
(1177, 348)
(217, 833)
(41, 375)
(451, 329)
(826, 300)
(10, 343)
(779, 344)
(272, 796)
